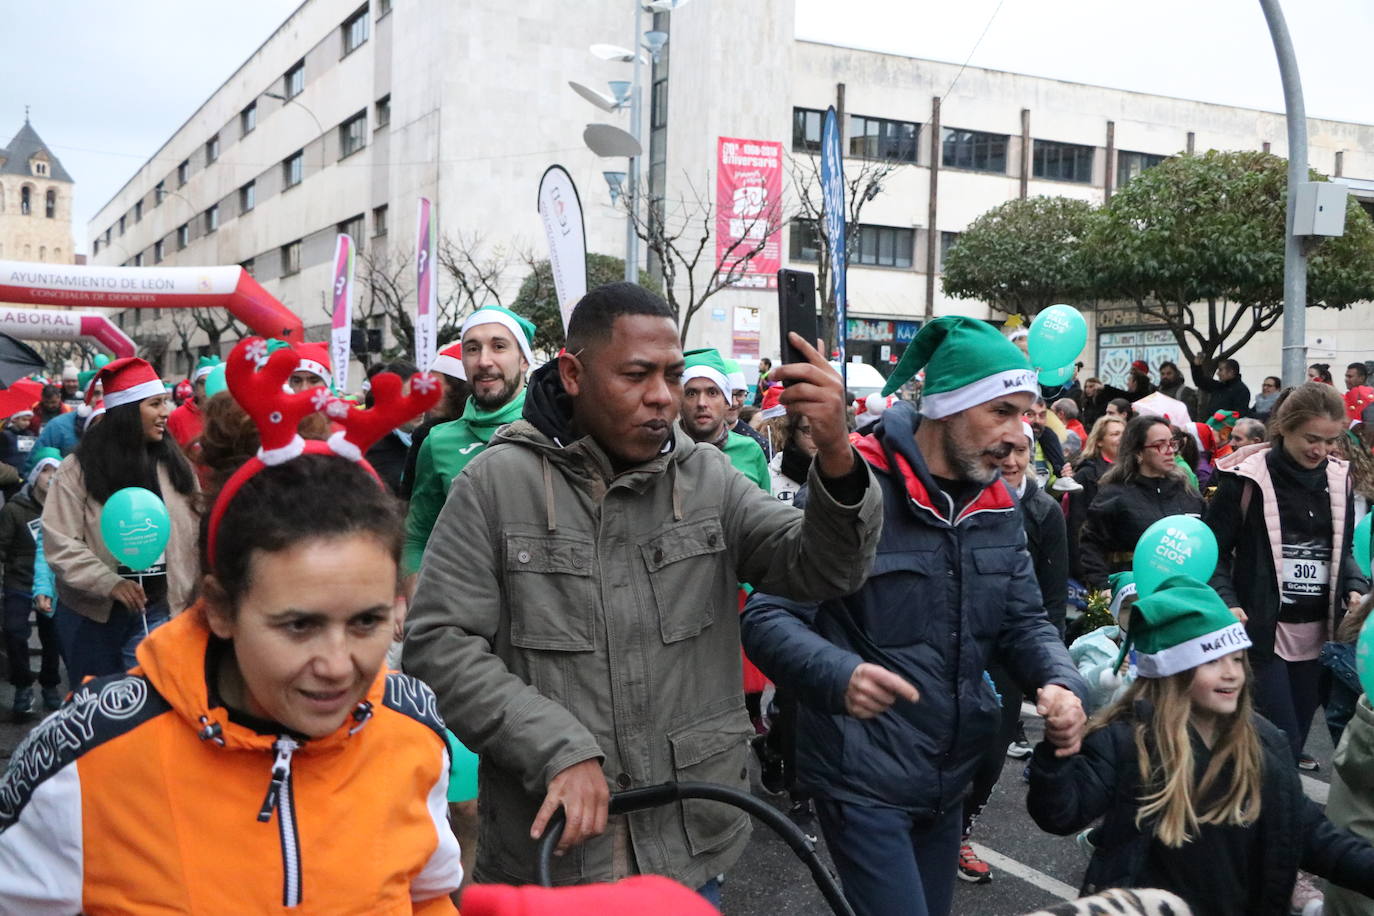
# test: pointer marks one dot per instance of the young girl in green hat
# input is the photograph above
(1198, 791)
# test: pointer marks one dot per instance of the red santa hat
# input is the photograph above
(1141, 366)
(771, 396)
(126, 381)
(450, 361)
(1206, 438)
(314, 358)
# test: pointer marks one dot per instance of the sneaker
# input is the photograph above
(1065, 485)
(52, 699)
(804, 816)
(772, 774)
(1085, 841)
(971, 868)
(23, 704)
(1305, 892)
(1020, 748)
(1308, 762)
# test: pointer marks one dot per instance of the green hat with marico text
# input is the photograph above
(1180, 625)
(707, 363)
(967, 362)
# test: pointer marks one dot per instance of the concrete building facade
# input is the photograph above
(35, 201)
(349, 112)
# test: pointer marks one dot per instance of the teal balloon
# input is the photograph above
(1057, 336)
(135, 527)
(1052, 377)
(101, 360)
(1361, 542)
(215, 382)
(1364, 658)
(1175, 545)
(462, 775)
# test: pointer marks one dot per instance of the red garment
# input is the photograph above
(643, 894)
(1074, 426)
(186, 423)
(755, 681)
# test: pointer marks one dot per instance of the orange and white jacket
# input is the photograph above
(139, 796)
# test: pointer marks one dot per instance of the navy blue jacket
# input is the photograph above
(941, 601)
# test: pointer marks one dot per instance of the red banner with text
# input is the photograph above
(749, 212)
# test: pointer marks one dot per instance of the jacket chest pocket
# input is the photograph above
(995, 567)
(552, 592)
(684, 566)
(909, 589)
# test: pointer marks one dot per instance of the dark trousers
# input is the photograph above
(990, 768)
(1288, 694)
(18, 611)
(888, 864)
(93, 649)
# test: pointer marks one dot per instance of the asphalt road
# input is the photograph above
(1031, 869)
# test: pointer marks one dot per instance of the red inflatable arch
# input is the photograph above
(231, 288)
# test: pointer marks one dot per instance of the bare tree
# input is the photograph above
(862, 184)
(216, 322)
(57, 353)
(184, 327)
(476, 271)
(680, 235)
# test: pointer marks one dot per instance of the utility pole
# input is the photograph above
(631, 239)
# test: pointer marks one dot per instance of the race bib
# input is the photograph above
(1306, 570)
(35, 528)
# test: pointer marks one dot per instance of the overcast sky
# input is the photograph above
(110, 82)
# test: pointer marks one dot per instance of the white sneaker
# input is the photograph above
(1066, 485)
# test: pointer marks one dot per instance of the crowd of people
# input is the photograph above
(616, 568)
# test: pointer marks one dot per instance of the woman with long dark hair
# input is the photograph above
(105, 609)
(1144, 485)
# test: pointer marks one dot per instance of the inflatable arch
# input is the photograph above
(31, 283)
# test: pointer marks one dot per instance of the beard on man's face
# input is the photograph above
(491, 400)
(973, 464)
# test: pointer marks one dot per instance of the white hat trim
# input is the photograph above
(492, 316)
(1119, 598)
(737, 382)
(714, 376)
(449, 365)
(26, 412)
(314, 368)
(1197, 651)
(944, 403)
(137, 393)
(202, 371)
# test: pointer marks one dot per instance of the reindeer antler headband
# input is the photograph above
(257, 380)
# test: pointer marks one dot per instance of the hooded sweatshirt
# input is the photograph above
(144, 794)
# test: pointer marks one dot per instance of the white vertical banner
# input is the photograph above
(560, 210)
(426, 290)
(341, 335)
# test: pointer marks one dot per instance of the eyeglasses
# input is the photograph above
(1165, 447)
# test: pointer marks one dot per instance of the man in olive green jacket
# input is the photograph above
(576, 610)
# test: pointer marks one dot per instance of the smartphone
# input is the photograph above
(796, 311)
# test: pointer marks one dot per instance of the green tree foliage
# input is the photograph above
(1022, 256)
(1197, 242)
(538, 299)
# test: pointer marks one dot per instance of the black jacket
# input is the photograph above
(942, 600)
(1087, 472)
(18, 546)
(1047, 542)
(1217, 395)
(1068, 794)
(1094, 407)
(1120, 514)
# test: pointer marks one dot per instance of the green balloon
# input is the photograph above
(462, 778)
(1057, 336)
(101, 360)
(1174, 545)
(1361, 542)
(215, 382)
(1052, 377)
(135, 527)
(1364, 658)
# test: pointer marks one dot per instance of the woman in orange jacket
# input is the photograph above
(259, 758)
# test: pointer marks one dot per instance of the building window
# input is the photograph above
(248, 197)
(353, 134)
(355, 31)
(40, 168)
(50, 204)
(383, 114)
(883, 246)
(293, 169)
(26, 200)
(212, 219)
(183, 173)
(159, 192)
(879, 138)
(1063, 162)
(248, 119)
(247, 266)
(353, 228)
(121, 225)
(383, 7)
(658, 105)
(947, 240)
(42, 252)
(138, 259)
(95, 247)
(107, 235)
(159, 251)
(293, 83)
(138, 210)
(1130, 165)
(291, 258)
(971, 149)
(806, 130)
(804, 242)
(183, 236)
(212, 149)
(379, 220)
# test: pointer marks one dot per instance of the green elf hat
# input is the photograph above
(967, 362)
(1180, 625)
(707, 363)
(1123, 587)
(736, 375)
(520, 327)
(1223, 419)
(204, 367)
(83, 379)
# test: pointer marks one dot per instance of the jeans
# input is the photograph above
(1288, 694)
(18, 610)
(711, 891)
(93, 649)
(890, 865)
(990, 768)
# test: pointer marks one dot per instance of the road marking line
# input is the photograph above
(1026, 873)
(1028, 709)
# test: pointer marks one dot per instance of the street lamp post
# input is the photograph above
(318, 126)
(632, 193)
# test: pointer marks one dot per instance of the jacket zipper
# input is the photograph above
(280, 799)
